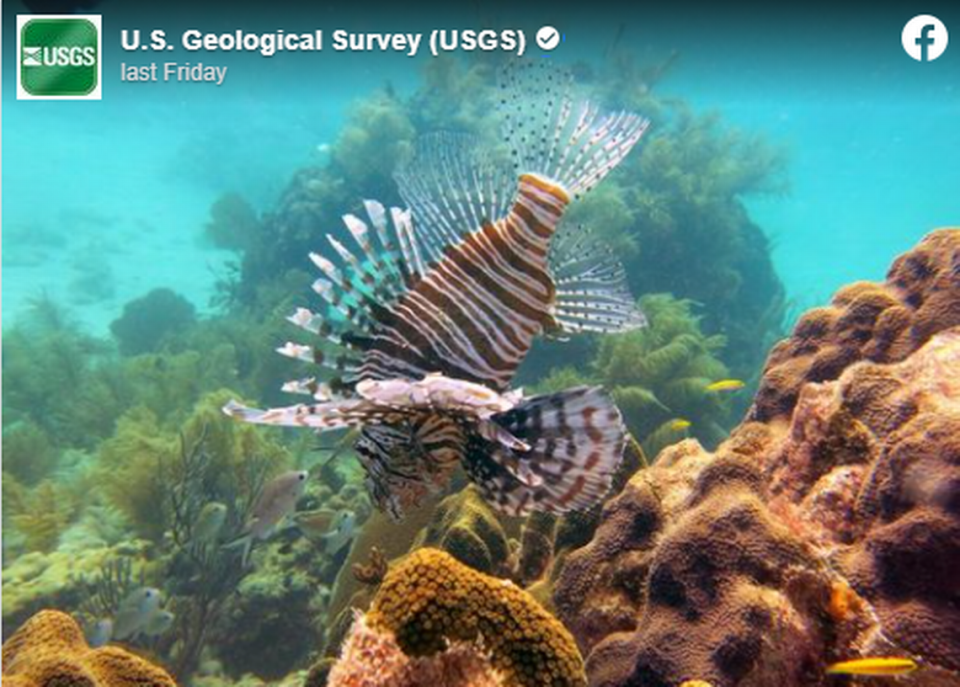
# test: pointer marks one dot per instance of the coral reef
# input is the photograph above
(50, 650)
(41, 514)
(685, 190)
(372, 658)
(881, 323)
(269, 624)
(535, 554)
(430, 599)
(821, 532)
(148, 320)
(57, 579)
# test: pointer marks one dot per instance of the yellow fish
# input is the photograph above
(873, 666)
(726, 385)
(680, 424)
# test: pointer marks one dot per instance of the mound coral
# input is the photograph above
(825, 527)
(881, 323)
(430, 599)
(50, 650)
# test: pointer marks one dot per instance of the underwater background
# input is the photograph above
(154, 242)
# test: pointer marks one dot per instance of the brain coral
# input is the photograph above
(826, 527)
(49, 650)
(431, 599)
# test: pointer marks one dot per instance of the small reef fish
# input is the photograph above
(429, 311)
(135, 612)
(209, 523)
(680, 424)
(335, 540)
(158, 624)
(101, 633)
(277, 501)
(726, 385)
(873, 666)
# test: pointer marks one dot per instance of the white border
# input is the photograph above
(96, 20)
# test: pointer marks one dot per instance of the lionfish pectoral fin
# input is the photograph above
(323, 417)
(577, 440)
(494, 432)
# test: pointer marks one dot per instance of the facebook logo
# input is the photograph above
(924, 38)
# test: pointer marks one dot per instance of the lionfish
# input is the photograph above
(425, 320)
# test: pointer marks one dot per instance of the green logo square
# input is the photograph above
(59, 57)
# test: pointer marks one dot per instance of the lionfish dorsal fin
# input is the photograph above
(453, 187)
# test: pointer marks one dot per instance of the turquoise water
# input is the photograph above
(121, 188)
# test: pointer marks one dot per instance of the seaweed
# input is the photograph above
(202, 575)
(28, 453)
(135, 464)
(40, 514)
(233, 224)
(148, 320)
(103, 593)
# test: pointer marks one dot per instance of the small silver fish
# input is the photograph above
(342, 534)
(277, 501)
(159, 623)
(100, 633)
(209, 523)
(135, 612)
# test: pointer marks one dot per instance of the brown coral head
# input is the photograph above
(49, 649)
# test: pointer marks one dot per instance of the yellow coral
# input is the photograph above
(50, 649)
(431, 599)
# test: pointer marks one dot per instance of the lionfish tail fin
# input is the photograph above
(576, 440)
(554, 136)
(592, 293)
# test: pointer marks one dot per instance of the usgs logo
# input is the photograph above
(58, 57)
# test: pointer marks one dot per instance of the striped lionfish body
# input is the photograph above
(426, 320)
